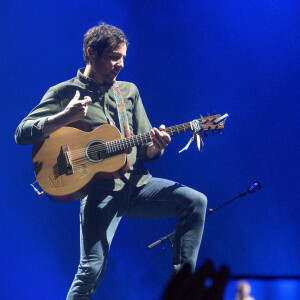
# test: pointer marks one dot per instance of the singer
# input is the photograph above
(86, 102)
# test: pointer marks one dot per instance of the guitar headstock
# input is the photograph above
(215, 122)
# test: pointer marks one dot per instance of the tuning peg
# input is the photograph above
(205, 134)
(220, 132)
(208, 114)
(212, 133)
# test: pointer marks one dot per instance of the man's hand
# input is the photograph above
(77, 109)
(160, 140)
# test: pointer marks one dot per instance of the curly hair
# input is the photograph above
(102, 36)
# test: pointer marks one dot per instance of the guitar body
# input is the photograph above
(68, 163)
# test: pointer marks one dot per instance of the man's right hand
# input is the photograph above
(76, 109)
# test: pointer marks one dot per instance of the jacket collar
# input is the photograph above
(90, 83)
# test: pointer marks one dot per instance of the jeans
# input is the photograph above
(101, 212)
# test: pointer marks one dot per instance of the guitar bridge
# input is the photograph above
(67, 159)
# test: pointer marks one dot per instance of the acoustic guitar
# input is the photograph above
(68, 163)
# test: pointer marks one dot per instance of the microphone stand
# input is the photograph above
(251, 189)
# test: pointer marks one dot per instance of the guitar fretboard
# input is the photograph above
(140, 139)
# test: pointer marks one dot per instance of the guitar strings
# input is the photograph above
(78, 156)
(114, 145)
(111, 146)
(121, 143)
(117, 145)
(124, 142)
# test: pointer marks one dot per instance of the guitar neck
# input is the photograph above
(140, 139)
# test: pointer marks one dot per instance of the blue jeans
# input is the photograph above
(101, 212)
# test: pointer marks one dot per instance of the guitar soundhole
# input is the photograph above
(95, 151)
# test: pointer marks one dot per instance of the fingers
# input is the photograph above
(77, 109)
(77, 95)
(79, 103)
(156, 140)
(160, 137)
(87, 100)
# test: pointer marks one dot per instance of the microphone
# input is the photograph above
(254, 187)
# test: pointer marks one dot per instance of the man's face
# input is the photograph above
(109, 65)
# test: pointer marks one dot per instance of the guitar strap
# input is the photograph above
(123, 120)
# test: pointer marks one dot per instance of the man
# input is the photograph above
(86, 102)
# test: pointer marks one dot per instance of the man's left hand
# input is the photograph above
(160, 140)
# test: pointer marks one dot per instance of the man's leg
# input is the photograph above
(100, 214)
(161, 198)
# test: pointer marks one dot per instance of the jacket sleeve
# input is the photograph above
(31, 129)
(142, 125)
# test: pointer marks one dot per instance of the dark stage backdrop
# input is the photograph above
(187, 58)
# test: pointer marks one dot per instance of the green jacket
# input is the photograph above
(102, 110)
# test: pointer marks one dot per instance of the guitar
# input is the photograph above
(68, 163)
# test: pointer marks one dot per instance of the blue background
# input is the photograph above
(187, 58)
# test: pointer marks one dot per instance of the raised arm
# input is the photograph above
(75, 111)
(49, 116)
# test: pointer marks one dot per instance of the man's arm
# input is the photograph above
(48, 116)
(75, 111)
